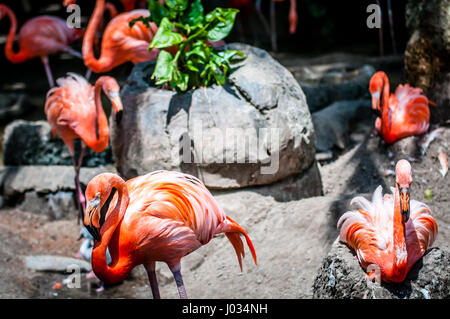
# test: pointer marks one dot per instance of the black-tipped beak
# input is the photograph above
(119, 117)
(94, 232)
(376, 112)
(404, 203)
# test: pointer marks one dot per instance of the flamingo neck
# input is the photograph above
(100, 142)
(96, 65)
(385, 109)
(10, 54)
(400, 251)
(120, 264)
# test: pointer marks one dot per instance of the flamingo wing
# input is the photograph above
(411, 113)
(368, 230)
(69, 104)
(421, 231)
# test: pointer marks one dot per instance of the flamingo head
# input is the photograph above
(403, 177)
(98, 193)
(92, 216)
(112, 91)
(376, 86)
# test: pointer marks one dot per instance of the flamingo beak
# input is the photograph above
(376, 108)
(92, 218)
(117, 105)
(404, 203)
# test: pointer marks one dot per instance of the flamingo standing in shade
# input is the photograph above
(391, 232)
(74, 110)
(160, 216)
(39, 37)
(402, 114)
(120, 43)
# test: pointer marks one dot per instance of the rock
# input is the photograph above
(12, 106)
(406, 147)
(45, 190)
(304, 185)
(56, 264)
(334, 123)
(32, 143)
(188, 132)
(325, 84)
(341, 276)
(17, 180)
(428, 52)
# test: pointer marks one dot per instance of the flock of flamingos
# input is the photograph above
(163, 216)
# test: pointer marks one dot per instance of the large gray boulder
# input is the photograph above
(32, 143)
(341, 276)
(261, 108)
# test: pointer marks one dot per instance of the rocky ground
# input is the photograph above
(291, 238)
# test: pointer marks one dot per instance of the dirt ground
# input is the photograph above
(291, 238)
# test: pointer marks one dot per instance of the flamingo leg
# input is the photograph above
(176, 271)
(88, 74)
(153, 280)
(51, 82)
(81, 200)
(391, 26)
(74, 53)
(273, 27)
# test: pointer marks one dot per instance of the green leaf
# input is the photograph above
(199, 49)
(221, 23)
(165, 37)
(229, 54)
(177, 5)
(194, 16)
(157, 11)
(164, 68)
(182, 83)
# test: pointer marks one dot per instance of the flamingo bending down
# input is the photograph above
(120, 43)
(74, 110)
(39, 37)
(402, 114)
(160, 216)
(390, 232)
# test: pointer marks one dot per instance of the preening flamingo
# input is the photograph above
(120, 43)
(160, 216)
(391, 232)
(402, 114)
(39, 37)
(74, 110)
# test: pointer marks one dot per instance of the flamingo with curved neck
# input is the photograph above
(392, 233)
(74, 110)
(404, 113)
(160, 216)
(120, 43)
(39, 37)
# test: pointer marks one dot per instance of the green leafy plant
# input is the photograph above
(183, 28)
